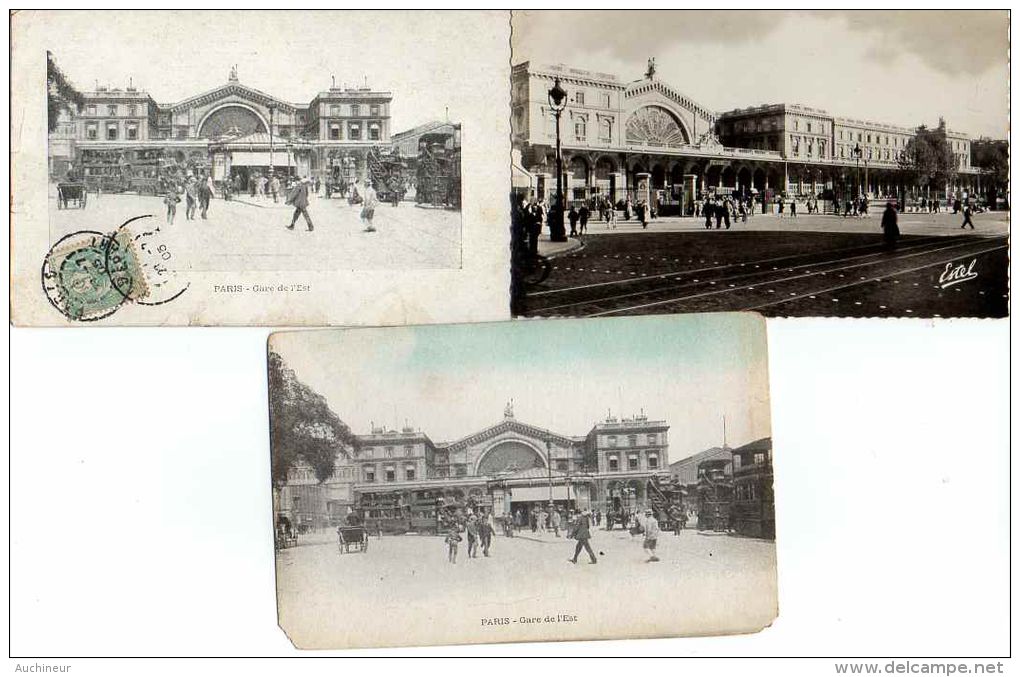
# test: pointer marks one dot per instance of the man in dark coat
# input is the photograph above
(966, 216)
(572, 216)
(582, 534)
(298, 197)
(890, 227)
(709, 212)
(485, 534)
(582, 216)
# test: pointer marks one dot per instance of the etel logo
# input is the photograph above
(957, 273)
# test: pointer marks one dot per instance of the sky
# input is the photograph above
(900, 67)
(290, 55)
(563, 375)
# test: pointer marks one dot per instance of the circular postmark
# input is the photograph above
(143, 264)
(76, 280)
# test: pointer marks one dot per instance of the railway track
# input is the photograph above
(762, 284)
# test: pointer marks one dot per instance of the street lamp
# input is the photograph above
(548, 465)
(558, 101)
(857, 159)
(272, 109)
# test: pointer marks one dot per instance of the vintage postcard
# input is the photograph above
(258, 168)
(793, 163)
(523, 481)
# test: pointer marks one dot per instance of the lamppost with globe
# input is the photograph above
(557, 101)
(857, 159)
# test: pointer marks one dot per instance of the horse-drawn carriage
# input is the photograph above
(71, 194)
(352, 537)
(286, 536)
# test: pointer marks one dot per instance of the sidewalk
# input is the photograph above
(911, 223)
(550, 249)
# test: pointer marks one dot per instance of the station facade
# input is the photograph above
(614, 134)
(506, 466)
(233, 127)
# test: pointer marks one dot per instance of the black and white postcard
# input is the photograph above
(793, 163)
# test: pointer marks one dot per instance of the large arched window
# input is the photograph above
(655, 126)
(231, 119)
(509, 456)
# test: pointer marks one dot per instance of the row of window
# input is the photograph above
(809, 146)
(386, 452)
(336, 110)
(354, 131)
(847, 152)
(112, 110)
(745, 492)
(581, 130)
(632, 440)
(759, 458)
(605, 100)
(112, 131)
(633, 462)
(812, 127)
(878, 139)
(389, 473)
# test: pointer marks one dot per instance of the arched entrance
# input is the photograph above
(759, 179)
(744, 181)
(658, 176)
(676, 175)
(578, 169)
(713, 177)
(605, 177)
(729, 177)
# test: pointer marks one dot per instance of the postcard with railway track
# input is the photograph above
(258, 168)
(523, 481)
(717, 160)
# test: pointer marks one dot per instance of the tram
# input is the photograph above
(144, 170)
(438, 177)
(400, 512)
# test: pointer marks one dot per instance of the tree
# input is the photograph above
(302, 426)
(928, 159)
(61, 95)
(994, 157)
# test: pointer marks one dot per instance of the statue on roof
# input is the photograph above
(508, 410)
(233, 73)
(650, 73)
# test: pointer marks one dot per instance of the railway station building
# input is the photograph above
(507, 466)
(614, 133)
(231, 129)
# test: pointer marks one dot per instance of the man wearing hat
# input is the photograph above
(299, 198)
(473, 533)
(582, 534)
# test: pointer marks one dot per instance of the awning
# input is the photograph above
(521, 177)
(559, 493)
(246, 158)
